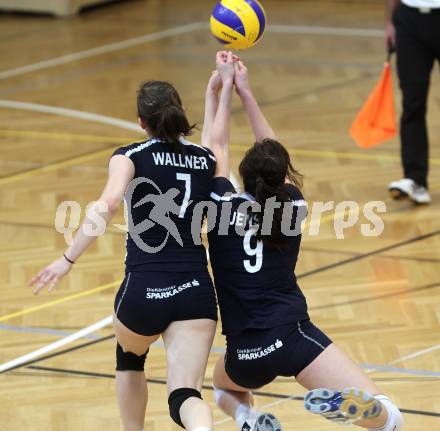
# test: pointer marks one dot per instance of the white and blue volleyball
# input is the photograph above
(238, 24)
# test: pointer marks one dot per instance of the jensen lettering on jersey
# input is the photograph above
(244, 220)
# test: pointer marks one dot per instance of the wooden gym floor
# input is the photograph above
(377, 297)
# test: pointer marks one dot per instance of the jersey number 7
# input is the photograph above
(185, 203)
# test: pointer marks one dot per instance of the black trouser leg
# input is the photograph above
(415, 59)
(413, 133)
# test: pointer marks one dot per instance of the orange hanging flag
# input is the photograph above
(376, 121)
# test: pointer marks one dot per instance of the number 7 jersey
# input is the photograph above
(167, 185)
(256, 284)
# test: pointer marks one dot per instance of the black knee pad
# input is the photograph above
(126, 361)
(177, 398)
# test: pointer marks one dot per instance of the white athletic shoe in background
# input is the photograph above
(407, 188)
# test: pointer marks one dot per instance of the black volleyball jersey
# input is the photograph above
(256, 285)
(160, 202)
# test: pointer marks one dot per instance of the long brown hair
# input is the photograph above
(160, 108)
(264, 170)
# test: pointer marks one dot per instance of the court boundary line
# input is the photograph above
(384, 368)
(14, 363)
(41, 330)
(176, 31)
(353, 253)
(326, 31)
(72, 113)
(415, 354)
(281, 397)
(409, 371)
(60, 300)
(58, 136)
(61, 352)
(368, 254)
(377, 297)
(99, 50)
(53, 167)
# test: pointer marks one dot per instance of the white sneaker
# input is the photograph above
(262, 422)
(407, 188)
(267, 422)
(344, 407)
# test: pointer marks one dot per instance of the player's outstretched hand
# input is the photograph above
(225, 66)
(241, 78)
(50, 275)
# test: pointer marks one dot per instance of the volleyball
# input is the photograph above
(238, 24)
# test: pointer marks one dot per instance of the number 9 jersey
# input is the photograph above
(256, 284)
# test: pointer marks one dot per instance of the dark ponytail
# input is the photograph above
(264, 171)
(160, 108)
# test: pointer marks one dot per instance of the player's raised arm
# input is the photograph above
(219, 142)
(259, 124)
(121, 172)
(211, 105)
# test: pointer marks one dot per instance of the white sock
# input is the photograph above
(395, 420)
(202, 429)
(245, 413)
(218, 393)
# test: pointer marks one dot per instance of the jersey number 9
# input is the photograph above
(257, 252)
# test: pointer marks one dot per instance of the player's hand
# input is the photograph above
(50, 275)
(225, 66)
(390, 37)
(215, 82)
(241, 79)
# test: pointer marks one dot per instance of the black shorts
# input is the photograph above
(257, 356)
(147, 302)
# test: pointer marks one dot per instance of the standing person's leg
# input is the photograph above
(131, 387)
(187, 345)
(414, 64)
(434, 34)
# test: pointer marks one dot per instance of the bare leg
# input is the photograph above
(131, 390)
(323, 373)
(232, 395)
(237, 402)
(188, 344)
(131, 387)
